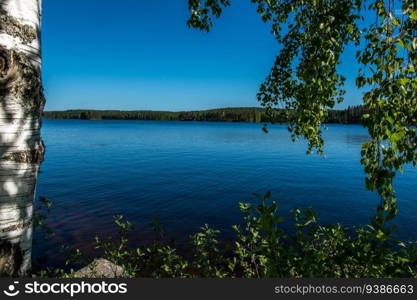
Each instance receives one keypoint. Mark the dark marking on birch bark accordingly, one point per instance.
(17, 226)
(28, 157)
(21, 78)
(4, 62)
(11, 258)
(13, 27)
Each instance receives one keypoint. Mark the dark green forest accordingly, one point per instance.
(351, 115)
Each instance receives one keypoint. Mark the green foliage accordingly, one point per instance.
(203, 11)
(117, 250)
(389, 61)
(312, 35)
(157, 260)
(262, 249)
(42, 210)
(208, 260)
(304, 79)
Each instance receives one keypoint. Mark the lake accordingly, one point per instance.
(191, 173)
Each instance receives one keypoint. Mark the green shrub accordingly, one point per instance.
(262, 249)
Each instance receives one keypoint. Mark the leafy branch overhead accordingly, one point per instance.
(313, 34)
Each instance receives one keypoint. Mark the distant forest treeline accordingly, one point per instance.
(351, 115)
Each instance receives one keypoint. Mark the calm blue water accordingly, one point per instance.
(191, 173)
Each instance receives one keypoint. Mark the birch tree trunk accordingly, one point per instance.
(21, 147)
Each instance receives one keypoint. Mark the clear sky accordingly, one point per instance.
(140, 54)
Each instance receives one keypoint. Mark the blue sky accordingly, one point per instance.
(140, 54)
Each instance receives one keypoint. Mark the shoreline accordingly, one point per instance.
(351, 115)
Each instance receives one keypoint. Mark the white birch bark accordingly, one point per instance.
(21, 148)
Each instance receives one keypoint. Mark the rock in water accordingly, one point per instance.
(101, 268)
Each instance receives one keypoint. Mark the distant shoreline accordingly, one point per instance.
(351, 115)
